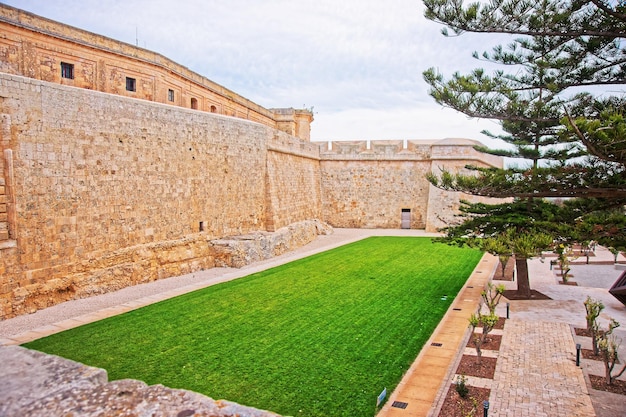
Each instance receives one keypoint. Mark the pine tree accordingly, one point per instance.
(545, 99)
(559, 48)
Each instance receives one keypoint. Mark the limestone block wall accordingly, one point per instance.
(110, 191)
(454, 155)
(368, 184)
(293, 181)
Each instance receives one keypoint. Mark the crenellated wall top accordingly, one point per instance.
(408, 149)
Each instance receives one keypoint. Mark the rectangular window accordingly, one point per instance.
(67, 70)
(170, 95)
(131, 84)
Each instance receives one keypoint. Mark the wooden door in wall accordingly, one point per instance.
(406, 219)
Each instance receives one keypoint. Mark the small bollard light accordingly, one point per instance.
(577, 354)
(485, 408)
(508, 305)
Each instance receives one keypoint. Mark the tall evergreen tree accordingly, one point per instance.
(560, 53)
(559, 48)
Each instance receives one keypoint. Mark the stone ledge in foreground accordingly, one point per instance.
(36, 384)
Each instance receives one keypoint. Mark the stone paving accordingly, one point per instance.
(536, 373)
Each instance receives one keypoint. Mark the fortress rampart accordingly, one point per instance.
(375, 184)
(102, 189)
(107, 191)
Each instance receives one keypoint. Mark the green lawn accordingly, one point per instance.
(321, 336)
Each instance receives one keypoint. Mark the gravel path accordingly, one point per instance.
(70, 309)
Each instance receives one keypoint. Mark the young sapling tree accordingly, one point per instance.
(487, 322)
(498, 246)
(593, 308)
(615, 253)
(563, 252)
(492, 295)
(608, 344)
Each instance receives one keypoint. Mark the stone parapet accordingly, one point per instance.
(463, 149)
(413, 150)
(409, 150)
(35, 384)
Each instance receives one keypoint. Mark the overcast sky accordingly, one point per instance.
(357, 63)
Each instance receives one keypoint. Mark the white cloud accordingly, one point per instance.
(358, 62)
(400, 123)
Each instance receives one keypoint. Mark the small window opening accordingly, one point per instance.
(213, 109)
(131, 84)
(194, 104)
(202, 226)
(67, 70)
(170, 95)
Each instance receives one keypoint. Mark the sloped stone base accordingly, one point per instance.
(239, 251)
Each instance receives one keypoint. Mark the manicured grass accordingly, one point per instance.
(321, 336)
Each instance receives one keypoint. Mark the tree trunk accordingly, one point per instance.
(523, 282)
(503, 261)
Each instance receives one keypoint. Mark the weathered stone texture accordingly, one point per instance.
(372, 193)
(454, 155)
(111, 191)
(293, 182)
(368, 183)
(39, 385)
(238, 251)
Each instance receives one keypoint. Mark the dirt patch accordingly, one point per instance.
(534, 295)
(469, 367)
(500, 324)
(471, 405)
(599, 383)
(588, 354)
(492, 342)
(508, 271)
(568, 283)
(582, 332)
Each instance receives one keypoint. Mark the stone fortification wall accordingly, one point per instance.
(110, 191)
(293, 181)
(454, 155)
(36, 384)
(368, 184)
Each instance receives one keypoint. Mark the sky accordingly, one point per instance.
(356, 63)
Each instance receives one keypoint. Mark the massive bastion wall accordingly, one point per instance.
(103, 191)
(100, 191)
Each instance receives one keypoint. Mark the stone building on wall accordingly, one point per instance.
(105, 182)
(46, 50)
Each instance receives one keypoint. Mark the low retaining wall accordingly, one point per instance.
(238, 251)
(145, 263)
(36, 384)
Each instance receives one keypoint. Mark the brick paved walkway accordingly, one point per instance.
(536, 373)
